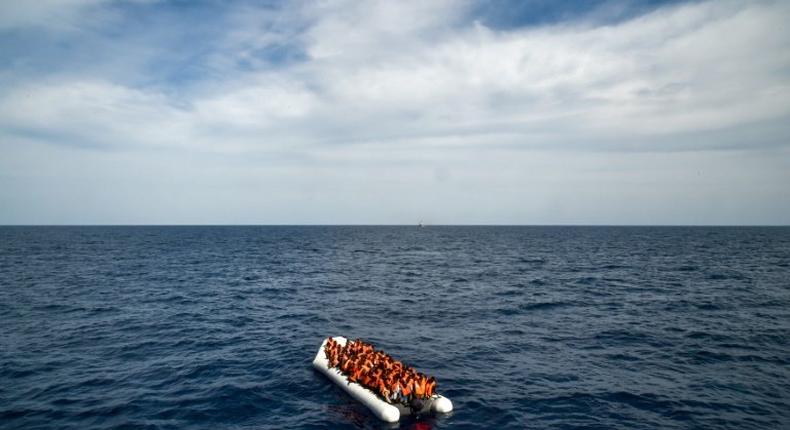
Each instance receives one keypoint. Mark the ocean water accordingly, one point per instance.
(524, 327)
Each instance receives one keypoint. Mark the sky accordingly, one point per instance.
(395, 112)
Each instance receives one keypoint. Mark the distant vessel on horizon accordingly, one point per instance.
(421, 224)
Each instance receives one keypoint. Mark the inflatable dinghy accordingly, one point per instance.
(389, 411)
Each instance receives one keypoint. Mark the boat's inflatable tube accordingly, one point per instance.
(383, 410)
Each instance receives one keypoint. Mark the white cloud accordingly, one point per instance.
(93, 113)
(671, 71)
(257, 105)
(398, 94)
(383, 70)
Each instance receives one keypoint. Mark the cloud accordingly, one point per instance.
(671, 71)
(93, 114)
(380, 71)
(391, 87)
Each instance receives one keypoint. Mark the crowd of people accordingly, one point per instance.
(377, 371)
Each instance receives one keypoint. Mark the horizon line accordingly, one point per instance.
(424, 225)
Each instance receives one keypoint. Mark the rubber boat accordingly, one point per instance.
(383, 410)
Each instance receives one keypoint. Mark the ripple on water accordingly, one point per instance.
(525, 327)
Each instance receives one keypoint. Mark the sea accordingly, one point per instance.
(536, 327)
